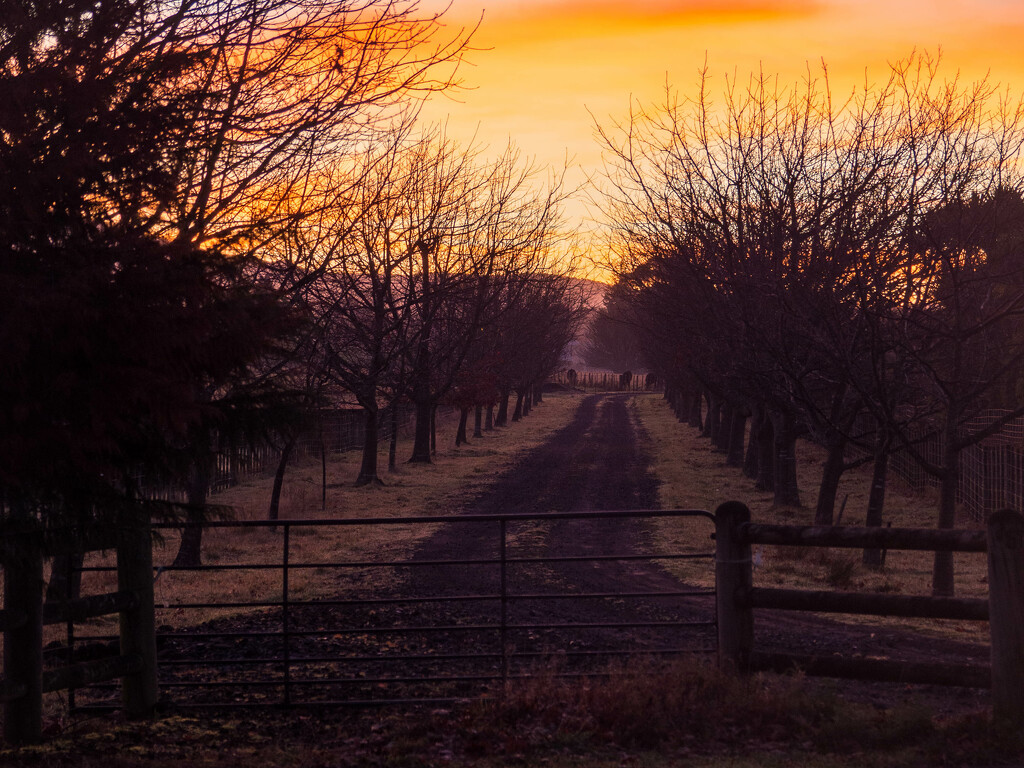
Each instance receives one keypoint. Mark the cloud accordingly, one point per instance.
(538, 21)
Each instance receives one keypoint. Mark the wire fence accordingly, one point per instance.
(332, 431)
(991, 472)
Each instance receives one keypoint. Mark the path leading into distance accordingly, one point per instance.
(598, 462)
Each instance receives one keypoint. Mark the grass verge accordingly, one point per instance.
(693, 475)
(687, 714)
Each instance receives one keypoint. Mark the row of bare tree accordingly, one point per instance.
(437, 279)
(216, 216)
(849, 268)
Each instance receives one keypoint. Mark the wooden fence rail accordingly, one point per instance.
(25, 614)
(1004, 609)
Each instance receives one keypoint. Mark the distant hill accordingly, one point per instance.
(594, 292)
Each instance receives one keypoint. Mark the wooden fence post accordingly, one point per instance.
(1006, 615)
(23, 642)
(733, 581)
(138, 625)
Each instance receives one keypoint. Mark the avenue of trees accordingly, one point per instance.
(427, 260)
(845, 267)
(218, 218)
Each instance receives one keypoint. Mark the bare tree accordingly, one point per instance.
(612, 337)
(366, 297)
(415, 253)
(811, 242)
(481, 230)
(282, 92)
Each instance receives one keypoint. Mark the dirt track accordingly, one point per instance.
(569, 611)
(597, 462)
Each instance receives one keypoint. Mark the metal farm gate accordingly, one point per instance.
(348, 612)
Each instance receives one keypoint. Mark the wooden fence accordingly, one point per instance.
(991, 472)
(26, 679)
(602, 381)
(1004, 609)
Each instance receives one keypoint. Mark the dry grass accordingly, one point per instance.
(694, 476)
(642, 714)
(693, 706)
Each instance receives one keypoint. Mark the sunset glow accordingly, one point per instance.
(548, 68)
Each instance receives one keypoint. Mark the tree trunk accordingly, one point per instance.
(675, 401)
(874, 558)
(696, 411)
(478, 419)
(275, 493)
(421, 393)
(23, 642)
(233, 467)
(691, 409)
(393, 448)
(65, 578)
(841, 421)
(724, 434)
(737, 433)
(489, 418)
(517, 414)
(538, 394)
(787, 493)
(371, 442)
(765, 454)
(502, 418)
(323, 470)
(421, 439)
(713, 421)
(460, 433)
(433, 429)
(942, 573)
(750, 460)
(831, 472)
(190, 550)
(65, 570)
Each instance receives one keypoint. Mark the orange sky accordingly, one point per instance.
(550, 61)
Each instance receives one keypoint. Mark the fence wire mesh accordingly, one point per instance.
(332, 430)
(991, 471)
